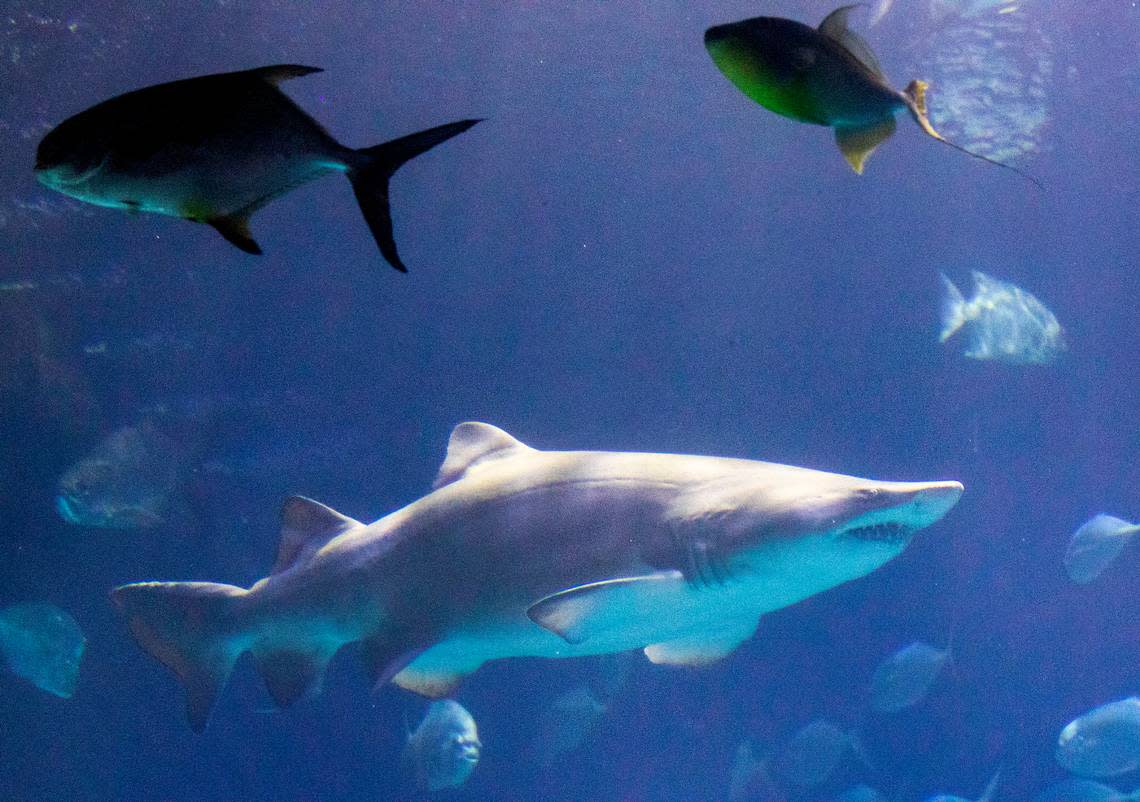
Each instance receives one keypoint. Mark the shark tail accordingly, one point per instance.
(189, 627)
(372, 168)
(953, 309)
(915, 98)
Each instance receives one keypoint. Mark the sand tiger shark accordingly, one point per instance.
(519, 552)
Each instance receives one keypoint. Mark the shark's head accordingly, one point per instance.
(800, 531)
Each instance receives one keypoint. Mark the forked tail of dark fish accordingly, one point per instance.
(915, 94)
(376, 165)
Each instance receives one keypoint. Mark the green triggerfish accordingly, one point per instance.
(215, 149)
(825, 76)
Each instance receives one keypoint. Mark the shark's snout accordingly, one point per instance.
(936, 499)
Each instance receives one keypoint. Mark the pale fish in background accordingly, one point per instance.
(445, 748)
(43, 645)
(1095, 545)
(880, 10)
(860, 793)
(987, 794)
(1077, 790)
(1001, 322)
(1104, 742)
(128, 481)
(813, 753)
(569, 720)
(904, 678)
(749, 780)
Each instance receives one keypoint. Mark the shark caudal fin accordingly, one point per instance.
(188, 627)
(953, 309)
(375, 166)
(915, 97)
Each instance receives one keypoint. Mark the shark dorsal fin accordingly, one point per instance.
(834, 27)
(472, 443)
(306, 525)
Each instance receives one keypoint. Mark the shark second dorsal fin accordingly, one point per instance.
(834, 27)
(472, 443)
(306, 525)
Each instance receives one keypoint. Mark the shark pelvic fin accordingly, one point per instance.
(703, 649)
(432, 683)
(291, 674)
(857, 144)
(306, 525)
(473, 443)
(586, 611)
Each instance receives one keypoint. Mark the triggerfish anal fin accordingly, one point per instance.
(857, 144)
(586, 611)
(234, 229)
(306, 525)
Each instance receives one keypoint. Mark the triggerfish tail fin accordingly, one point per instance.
(953, 309)
(915, 97)
(372, 170)
(857, 144)
(188, 627)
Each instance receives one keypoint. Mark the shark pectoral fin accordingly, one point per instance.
(235, 229)
(590, 610)
(291, 674)
(703, 649)
(434, 683)
(306, 525)
(857, 144)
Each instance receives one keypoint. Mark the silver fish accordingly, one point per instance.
(445, 748)
(43, 645)
(215, 149)
(1104, 742)
(1094, 546)
(903, 678)
(813, 753)
(520, 552)
(567, 723)
(1001, 322)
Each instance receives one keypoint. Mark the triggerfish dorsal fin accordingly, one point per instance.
(857, 144)
(834, 27)
(306, 525)
(472, 443)
(915, 98)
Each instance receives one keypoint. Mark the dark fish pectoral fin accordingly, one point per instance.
(235, 229)
(857, 144)
(277, 73)
(377, 165)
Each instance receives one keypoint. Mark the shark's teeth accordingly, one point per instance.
(888, 532)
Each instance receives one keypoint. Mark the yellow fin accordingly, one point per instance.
(857, 144)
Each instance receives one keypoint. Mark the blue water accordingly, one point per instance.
(627, 255)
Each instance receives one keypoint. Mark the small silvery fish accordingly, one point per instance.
(903, 678)
(43, 645)
(813, 753)
(1001, 322)
(1075, 790)
(826, 76)
(445, 747)
(215, 149)
(566, 724)
(1104, 742)
(1095, 545)
(987, 795)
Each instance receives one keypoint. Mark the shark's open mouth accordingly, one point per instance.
(887, 532)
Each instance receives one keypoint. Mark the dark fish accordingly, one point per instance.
(825, 76)
(217, 148)
(42, 644)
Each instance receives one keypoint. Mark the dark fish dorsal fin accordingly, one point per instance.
(276, 73)
(472, 443)
(306, 525)
(834, 27)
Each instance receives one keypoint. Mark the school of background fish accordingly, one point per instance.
(167, 460)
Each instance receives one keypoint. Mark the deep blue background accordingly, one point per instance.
(627, 255)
